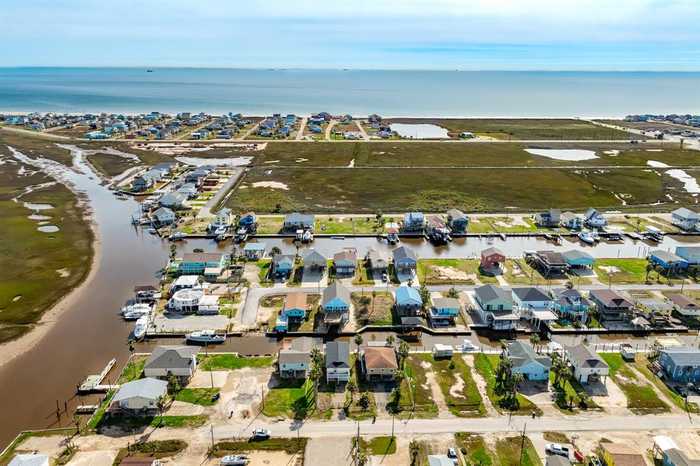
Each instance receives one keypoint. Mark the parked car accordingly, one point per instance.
(468, 346)
(385, 277)
(234, 460)
(261, 434)
(594, 461)
(556, 449)
(451, 453)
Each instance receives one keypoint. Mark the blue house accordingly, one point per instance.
(254, 251)
(197, 263)
(413, 221)
(691, 254)
(578, 259)
(282, 265)
(681, 364)
(570, 305)
(443, 311)
(408, 301)
(295, 305)
(668, 261)
(527, 362)
(457, 221)
(247, 219)
(335, 303)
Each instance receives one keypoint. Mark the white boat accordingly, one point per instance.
(141, 327)
(205, 337)
(177, 236)
(136, 311)
(307, 237)
(153, 231)
(587, 237)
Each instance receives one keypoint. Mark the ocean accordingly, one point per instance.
(358, 92)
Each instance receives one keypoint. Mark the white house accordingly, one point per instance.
(527, 362)
(223, 218)
(164, 361)
(586, 364)
(685, 219)
(594, 219)
(164, 216)
(139, 395)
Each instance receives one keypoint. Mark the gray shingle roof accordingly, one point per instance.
(488, 293)
(531, 293)
(585, 357)
(337, 354)
(171, 357)
(148, 388)
(521, 354)
(404, 252)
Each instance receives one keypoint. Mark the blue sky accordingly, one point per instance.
(387, 34)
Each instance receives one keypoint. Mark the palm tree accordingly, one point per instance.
(316, 372)
(275, 250)
(403, 353)
(358, 342)
(390, 340)
(351, 387)
(535, 341)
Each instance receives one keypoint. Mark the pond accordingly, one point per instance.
(217, 162)
(419, 131)
(572, 155)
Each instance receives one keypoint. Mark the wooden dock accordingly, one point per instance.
(93, 383)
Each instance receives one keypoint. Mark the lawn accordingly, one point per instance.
(570, 396)
(464, 402)
(641, 397)
(154, 449)
(291, 446)
(346, 225)
(363, 274)
(132, 370)
(373, 308)
(197, 396)
(678, 400)
(353, 408)
(451, 272)
(486, 365)
(622, 271)
(38, 268)
(518, 272)
(416, 396)
(474, 448)
(269, 225)
(379, 446)
(292, 399)
(216, 362)
(516, 451)
(509, 224)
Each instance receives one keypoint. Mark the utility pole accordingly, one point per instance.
(522, 444)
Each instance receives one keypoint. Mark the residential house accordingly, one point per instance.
(197, 263)
(457, 221)
(443, 311)
(295, 305)
(669, 262)
(681, 364)
(533, 304)
(684, 305)
(405, 261)
(379, 363)
(549, 263)
(620, 454)
(495, 307)
(282, 265)
(295, 362)
(142, 183)
(587, 366)
(163, 216)
(413, 222)
(335, 304)
(492, 260)
(671, 455)
(570, 305)
(594, 219)
(247, 220)
(30, 459)
(314, 262)
(345, 262)
(408, 301)
(139, 396)
(184, 282)
(685, 219)
(571, 221)
(254, 251)
(173, 200)
(223, 219)
(611, 305)
(577, 259)
(440, 460)
(550, 218)
(690, 254)
(527, 362)
(167, 361)
(297, 221)
(377, 262)
(337, 361)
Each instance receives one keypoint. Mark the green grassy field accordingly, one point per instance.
(622, 271)
(486, 365)
(522, 128)
(429, 272)
(110, 165)
(197, 396)
(641, 397)
(214, 362)
(38, 268)
(415, 391)
(465, 402)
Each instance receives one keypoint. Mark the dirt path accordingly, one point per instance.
(302, 125)
(362, 131)
(329, 128)
(436, 392)
(481, 386)
(662, 396)
(249, 132)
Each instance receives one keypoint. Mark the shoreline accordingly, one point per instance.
(15, 348)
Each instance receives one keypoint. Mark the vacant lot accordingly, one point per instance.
(373, 308)
(623, 271)
(38, 268)
(451, 272)
(522, 128)
(457, 386)
(110, 165)
(641, 396)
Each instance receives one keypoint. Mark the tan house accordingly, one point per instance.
(379, 363)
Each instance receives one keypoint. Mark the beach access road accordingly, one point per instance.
(205, 211)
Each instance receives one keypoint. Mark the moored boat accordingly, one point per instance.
(208, 337)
